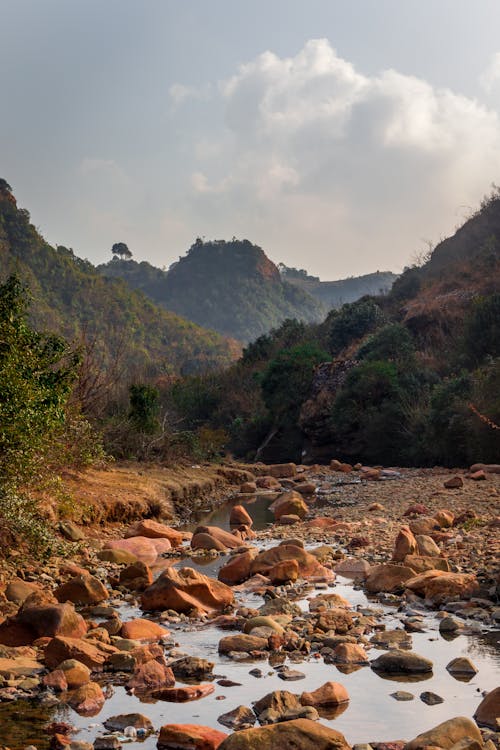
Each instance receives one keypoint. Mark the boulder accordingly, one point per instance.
(445, 518)
(189, 737)
(19, 665)
(43, 621)
(289, 503)
(241, 717)
(329, 694)
(151, 675)
(401, 662)
(461, 665)
(192, 668)
(140, 546)
(424, 525)
(454, 483)
(155, 530)
(488, 712)
(239, 516)
(308, 564)
(267, 483)
(184, 693)
(388, 578)
(421, 563)
(299, 733)
(143, 630)
(439, 586)
(75, 673)
(117, 556)
(305, 488)
(184, 590)
(445, 735)
(122, 721)
(353, 567)
(208, 542)
(276, 705)
(70, 531)
(285, 571)
(238, 568)
(248, 488)
(426, 546)
(18, 590)
(350, 653)
(136, 577)
(405, 544)
(82, 589)
(282, 471)
(228, 540)
(61, 648)
(242, 642)
(87, 700)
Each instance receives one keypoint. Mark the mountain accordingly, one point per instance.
(336, 293)
(231, 287)
(69, 296)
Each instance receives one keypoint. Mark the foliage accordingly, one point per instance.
(393, 343)
(351, 322)
(482, 329)
(121, 249)
(144, 407)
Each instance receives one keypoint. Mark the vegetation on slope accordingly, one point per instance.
(231, 287)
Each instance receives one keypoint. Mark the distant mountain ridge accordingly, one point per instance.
(231, 287)
(234, 288)
(70, 297)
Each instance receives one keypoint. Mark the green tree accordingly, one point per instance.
(353, 321)
(121, 249)
(144, 407)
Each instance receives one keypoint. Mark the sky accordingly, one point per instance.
(342, 136)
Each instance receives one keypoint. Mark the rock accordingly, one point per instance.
(445, 735)
(282, 471)
(328, 601)
(122, 721)
(192, 668)
(329, 694)
(445, 518)
(399, 639)
(61, 648)
(461, 665)
(248, 488)
(299, 733)
(208, 542)
(70, 531)
(305, 488)
(421, 563)
(402, 695)
(307, 563)
(350, 653)
(321, 522)
(276, 705)
(388, 578)
(477, 476)
(44, 621)
(285, 571)
(18, 590)
(150, 529)
(426, 546)
(238, 568)
(183, 694)
(438, 586)
(241, 717)
(488, 712)
(242, 642)
(289, 519)
(75, 673)
(228, 540)
(454, 483)
(87, 700)
(290, 675)
(20, 665)
(140, 546)
(489, 468)
(143, 630)
(107, 742)
(239, 516)
(82, 589)
(189, 737)
(289, 503)
(449, 625)
(405, 544)
(401, 662)
(136, 577)
(151, 675)
(353, 567)
(117, 556)
(431, 699)
(417, 509)
(184, 590)
(424, 525)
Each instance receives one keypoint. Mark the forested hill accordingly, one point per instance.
(70, 297)
(336, 293)
(231, 287)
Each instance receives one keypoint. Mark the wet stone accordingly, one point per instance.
(402, 695)
(431, 699)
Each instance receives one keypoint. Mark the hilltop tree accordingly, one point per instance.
(121, 249)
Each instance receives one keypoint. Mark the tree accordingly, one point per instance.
(121, 249)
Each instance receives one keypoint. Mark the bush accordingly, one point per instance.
(482, 330)
(392, 343)
(353, 321)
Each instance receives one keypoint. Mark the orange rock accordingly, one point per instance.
(387, 578)
(184, 590)
(155, 530)
(322, 522)
(82, 589)
(405, 544)
(61, 648)
(445, 518)
(350, 653)
(143, 630)
(76, 674)
(56, 680)
(454, 483)
(137, 576)
(150, 675)
(421, 563)
(305, 488)
(424, 525)
(184, 693)
(308, 564)
(247, 488)
(282, 471)
(226, 538)
(329, 694)
(267, 483)
(477, 476)
(87, 700)
(283, 572)
(488, 711)
(439, 586)
(208, 542)
(189, 737)
(33, 622)
(140, 546)
(239, 517)
(289, 503)
(238, 567)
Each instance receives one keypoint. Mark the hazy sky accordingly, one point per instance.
(340, 135)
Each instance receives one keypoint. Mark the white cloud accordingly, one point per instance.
(351, 168)
(490, 78)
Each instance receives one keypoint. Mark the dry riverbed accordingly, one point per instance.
(317, 607)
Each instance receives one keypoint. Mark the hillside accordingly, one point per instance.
(336, 293)
(231, 287)
(70, 297)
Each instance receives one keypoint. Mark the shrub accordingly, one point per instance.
(353, 321)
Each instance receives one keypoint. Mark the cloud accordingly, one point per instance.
(490, 78)
(352, 169)
(179, 93)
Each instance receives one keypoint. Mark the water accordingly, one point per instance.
(371, 714)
